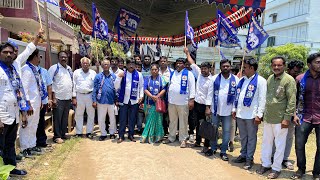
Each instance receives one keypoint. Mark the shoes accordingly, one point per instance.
(65, 137)
(26, 153)
(120, 140)
(102, 138)
(58, 140)
(196, 145)
(262, 170)
(78, 135)
(274, 174)
(287, 164)
(17, 172)
(239, 159)
(167, 141)
(204, 149)
(224, 157)
(36, 151)
(248, 165)
(231, 147)
(210, 152)
(89, 135)
(298, 174)
(112, 136)
(191, 138)
(131, 138)
(183, 144)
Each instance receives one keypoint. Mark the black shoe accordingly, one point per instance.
(210, 152)
(131, 138)
(224, 157)
(248, 165)
(196, 145)
(36, 149)
(112, 136)
(262, 170)
(26, 153)
(17, 172)
(298, 174)
(102, 138)
(239, 159)
(89, 135)
(77, 136)
(231, 147)
(65, 137)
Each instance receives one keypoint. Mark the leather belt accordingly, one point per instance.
(87, 92)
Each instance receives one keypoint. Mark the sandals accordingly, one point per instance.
(274, 174)
(262, 170)
(297, 175)
(287, 164)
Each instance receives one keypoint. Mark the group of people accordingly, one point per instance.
(286, 102)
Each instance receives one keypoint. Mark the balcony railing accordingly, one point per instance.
(15, 4)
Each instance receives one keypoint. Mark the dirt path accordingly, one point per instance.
(109, 160)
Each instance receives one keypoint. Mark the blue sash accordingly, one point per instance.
(250, 92)
(41, 86)
(184, 81)
(16, 84)
(302, 90)
(231, 92)
(57, 70)
(134, 86)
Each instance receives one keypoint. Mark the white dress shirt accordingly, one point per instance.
(30, 86)
(223, 109)
(174, 96)
(117, 72)
(62, 82)
(166, 74)
(202, 86)
(83, 82)
(9, 109)
(117, 85)
(258, 102)
(22, 57)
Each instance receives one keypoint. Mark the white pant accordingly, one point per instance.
(181, 113)
(84, 102)
(103, 109)
(28, 135)
(273, 133)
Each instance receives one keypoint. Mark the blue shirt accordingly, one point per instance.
(153, 86)
(46, 80)
(108, 93)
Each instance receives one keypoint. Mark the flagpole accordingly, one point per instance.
(97, 55)
(242, 62)
(48, 58)
(185, 41)
(214, 56)
(219, 50)
(39, 15)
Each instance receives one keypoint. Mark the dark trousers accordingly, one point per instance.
(60, 118)
(7, 143)
(165, 123)
(127, 113)
(301, 137)
(191, 122)
(41, 133)
(199, 112)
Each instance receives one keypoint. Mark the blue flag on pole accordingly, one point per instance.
(226, 32)
(100, 26)
(256, 35)
(189, 32)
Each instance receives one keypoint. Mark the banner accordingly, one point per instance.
(100, 26)
(226, 33)
(127, 20)
(256, 35)
(189, 32)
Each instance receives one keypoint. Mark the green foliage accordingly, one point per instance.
(289, 51)
(101, 49)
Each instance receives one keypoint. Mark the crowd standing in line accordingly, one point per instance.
(286, 104)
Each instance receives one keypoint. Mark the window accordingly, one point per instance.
(271, 41)
(274, 18)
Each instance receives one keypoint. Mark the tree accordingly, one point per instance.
(289, 51)
(101, 48)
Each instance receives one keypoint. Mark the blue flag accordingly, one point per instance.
(256, 35)
(100, 26)
(222, 55)
(51, 2)
(226, 32)
(189, 32)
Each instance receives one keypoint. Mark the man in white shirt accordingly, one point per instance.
(130, 85)
(203, 99)
(181, 100)
(250, 105)
(61, 75)
(9, 107)
(223, 91)
(35, 90)
(82, 92)
(165, 71)
(114, 66)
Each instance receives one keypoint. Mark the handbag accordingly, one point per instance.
(208, 130)
(161, 106)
